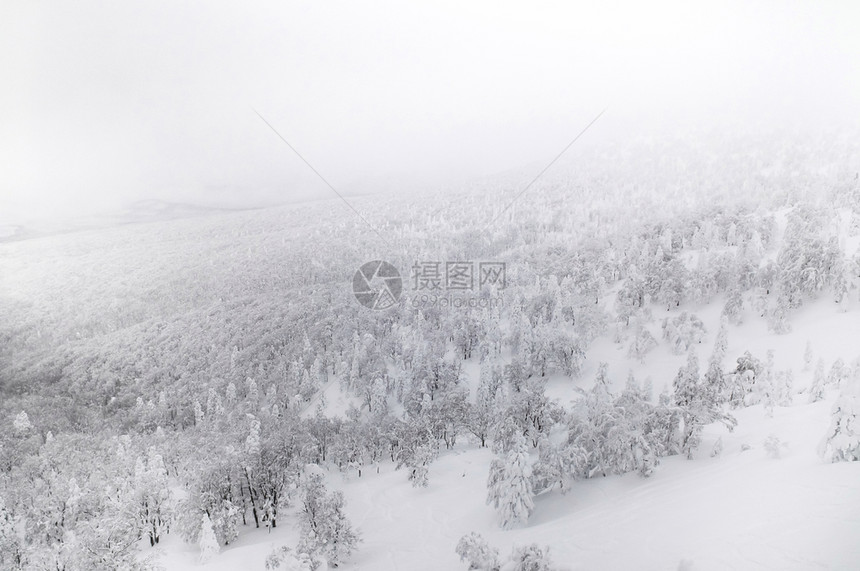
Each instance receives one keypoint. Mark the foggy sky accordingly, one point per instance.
(102, 103)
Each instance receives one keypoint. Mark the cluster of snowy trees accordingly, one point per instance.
(474, 550)
(205, 366)
(75, 502)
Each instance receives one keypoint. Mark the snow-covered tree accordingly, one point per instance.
(642, 343)
(208, 543)
(819, 382)
(842, 441)
(198, 413)
(766, 385)
(153, 501)
(482, 414)
(283, 559)
(509, 487)
(683, 332)
(473, 549)
(784, 385)
(531, 558)
(419, 464)
(734, 307)
(325, 531)
(12, 545)
(21, 424)
(838, 373)
(715, 380)
(742, 381)
(697, 405)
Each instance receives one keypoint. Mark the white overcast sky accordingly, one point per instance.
(106, 102)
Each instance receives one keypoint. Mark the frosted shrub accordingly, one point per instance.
(473, 549)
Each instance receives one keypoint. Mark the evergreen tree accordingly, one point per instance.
(509, 487)
(733, 310)
(643, 342)
(842, 442)
(152, 499)
(697, 406)
(838, 373)
(742, 381)
(12, 548)
(21, 425)
(819, 382)
(531, 558)
(766, 385)
(473, 549)
(419, 464)
(784, 387)
(482, 414)
(208, 543)
(715, 381)
(325, 531)
(198, 413)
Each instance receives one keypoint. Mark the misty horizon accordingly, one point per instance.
(108, 105)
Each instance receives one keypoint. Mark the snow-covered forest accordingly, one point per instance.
(446, 286)
(665, 379)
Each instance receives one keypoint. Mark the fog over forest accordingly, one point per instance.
(104, 104)
(496, 286)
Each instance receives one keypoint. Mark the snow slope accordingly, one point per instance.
(742, 509)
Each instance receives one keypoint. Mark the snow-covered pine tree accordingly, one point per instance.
(733, 310)
(419, 464)
(777, 316)
(819, 382)
(509, 487)
(784, 387)
(551, 469)
(698, 408)
(715, 381)
(325, 531)
(842, 442)
(152, 500)
(21, 424)
(208, 543)
(482, 414)
(686, 383)
(531, 558)
(838, 373)
(766, 385)
(480, 556)
(661, 426)
(742, 381)
(643, 342)
(12, 554)
(252, 395)
(198, 413)
(689, 398)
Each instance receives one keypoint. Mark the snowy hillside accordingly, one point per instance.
(752, 506)
(635, 381)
